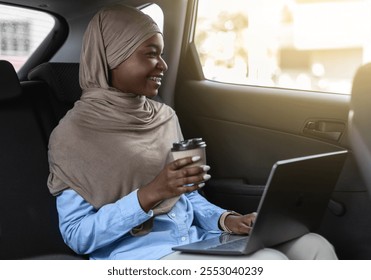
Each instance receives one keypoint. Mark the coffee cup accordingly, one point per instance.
(190, 148)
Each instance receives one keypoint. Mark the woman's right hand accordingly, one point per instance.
(175, 179)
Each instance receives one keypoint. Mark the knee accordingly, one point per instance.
(311, 246)
(322, 249)
(270, 254)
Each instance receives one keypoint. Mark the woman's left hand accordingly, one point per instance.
(240, 224)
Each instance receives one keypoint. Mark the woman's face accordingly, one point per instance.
(142, 72)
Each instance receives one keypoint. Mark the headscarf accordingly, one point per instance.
(111, 142)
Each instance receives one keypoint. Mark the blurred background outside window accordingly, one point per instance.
(21, 32)
(309, 45)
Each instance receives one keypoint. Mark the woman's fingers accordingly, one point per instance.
(191, 188)
(192, 180)
(191, 171)
(182, 162)
(241, 224)
(178, 177)
(183, 175)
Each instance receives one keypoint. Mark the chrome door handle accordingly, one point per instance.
(328, 130)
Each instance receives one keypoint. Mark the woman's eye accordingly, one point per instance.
(152, 54)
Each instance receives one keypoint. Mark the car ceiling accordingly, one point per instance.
(70, 9)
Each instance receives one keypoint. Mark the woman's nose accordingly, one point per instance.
(162, 64)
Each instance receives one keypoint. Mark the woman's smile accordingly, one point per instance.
(143, 71)
(156, 79)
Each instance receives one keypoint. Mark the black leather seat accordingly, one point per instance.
(28, 216)
(360, 121)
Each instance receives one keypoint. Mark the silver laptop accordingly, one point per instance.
(294, 202)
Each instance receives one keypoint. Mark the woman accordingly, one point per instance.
(119, 195)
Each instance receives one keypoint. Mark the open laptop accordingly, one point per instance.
(294, 201)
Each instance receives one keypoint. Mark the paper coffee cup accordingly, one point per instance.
(189, 148)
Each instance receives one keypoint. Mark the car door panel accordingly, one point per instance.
(248, 128)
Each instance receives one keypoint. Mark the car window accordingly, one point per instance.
(309, 45)
(21, 32)
(155, 12)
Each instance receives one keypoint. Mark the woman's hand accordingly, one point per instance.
(175, 179)
(240, 224)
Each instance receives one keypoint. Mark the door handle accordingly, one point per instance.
(328, 130)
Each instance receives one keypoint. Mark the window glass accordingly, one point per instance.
(155, 12)
(21, 32)
(309, 45)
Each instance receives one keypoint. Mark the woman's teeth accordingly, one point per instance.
(156, 79)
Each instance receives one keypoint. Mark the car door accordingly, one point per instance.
(250, 125)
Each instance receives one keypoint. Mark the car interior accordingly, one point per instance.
(247, 128)
(359, 134)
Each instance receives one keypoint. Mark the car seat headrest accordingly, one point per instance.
(10, 86)
(62, 78)
(360, 120)
(361, 94)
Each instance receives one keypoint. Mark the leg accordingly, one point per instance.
(308, 247)
(263, 254)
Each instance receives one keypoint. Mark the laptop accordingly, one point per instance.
(293, 203)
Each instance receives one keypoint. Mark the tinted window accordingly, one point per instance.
(310, 45)
(155, 12)
(21, 32)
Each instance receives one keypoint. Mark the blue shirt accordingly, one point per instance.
(105, 234)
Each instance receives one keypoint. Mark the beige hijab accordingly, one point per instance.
(111, 142)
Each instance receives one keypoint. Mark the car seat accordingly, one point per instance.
(28, 215)
(360, 121)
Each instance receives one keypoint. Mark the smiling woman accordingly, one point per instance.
(119, 193)
(146, 79)
(226, 60)
(110, 152)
